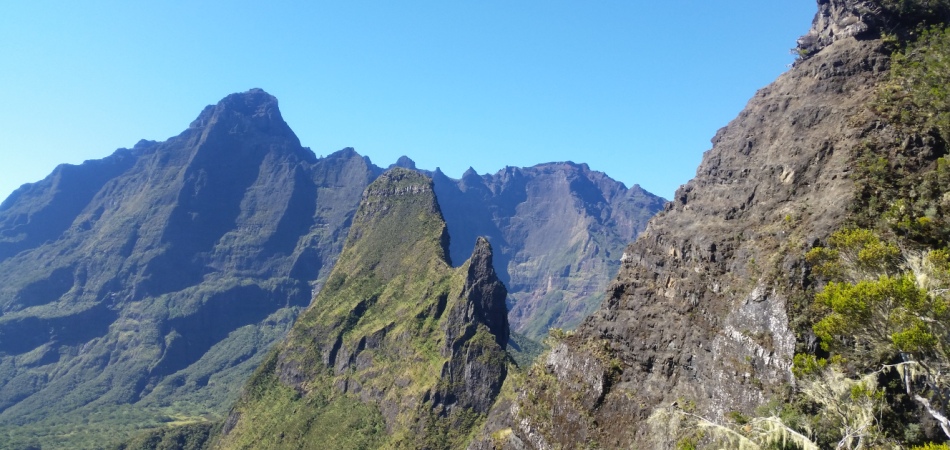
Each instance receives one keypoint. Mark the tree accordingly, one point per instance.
(901, 315)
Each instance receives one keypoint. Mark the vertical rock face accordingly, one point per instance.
(842, 19)
(484, 289)
(868, 19)
(559, 230)
(408, 349)
(701, 310)
(160, 275)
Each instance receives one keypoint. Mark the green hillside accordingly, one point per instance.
(399, 350)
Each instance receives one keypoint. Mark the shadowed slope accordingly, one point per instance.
(157, 277)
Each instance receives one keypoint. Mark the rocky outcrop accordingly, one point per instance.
(702, 312)
(837, 20)
(559, 230)
(483, 288)
(474, 374)
(868, 20)
(418, 345)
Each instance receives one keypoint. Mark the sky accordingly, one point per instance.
(635, 89)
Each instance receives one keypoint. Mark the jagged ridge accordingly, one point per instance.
(559, 230)
(163, 273)
(153, 281)
(409, 348)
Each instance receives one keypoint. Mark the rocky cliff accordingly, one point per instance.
(399, 350)
(559, 230)
(705, 311)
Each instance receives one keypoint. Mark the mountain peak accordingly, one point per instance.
(242, 112)
(255, 103)
(379, 236)
(486, 291)
(471, 177)
(397, 339)
(405, 162)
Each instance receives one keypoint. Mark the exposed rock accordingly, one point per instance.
(558, 229)
(484, 289)
(419, 344)
(868, 19)
(160, 276)
(700, 311)
(841, 19)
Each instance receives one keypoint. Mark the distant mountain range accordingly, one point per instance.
(559, 230)
(146, 286)
(794, 294)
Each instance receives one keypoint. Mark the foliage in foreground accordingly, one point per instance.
(887, 321)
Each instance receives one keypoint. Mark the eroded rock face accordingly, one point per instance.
(483, 288)
(558, 229)
(841, 19)
(702, 308)
(868, 19)
(418, 343)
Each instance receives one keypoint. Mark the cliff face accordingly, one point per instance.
(160, 275)
(702, 311)
(559, 230)
(399, 350)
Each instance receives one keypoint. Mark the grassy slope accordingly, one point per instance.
(386, 300)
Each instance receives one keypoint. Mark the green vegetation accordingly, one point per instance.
(931, 446)
(917, 12)
(902, 173)
(892, 316)
(379, 359)
(882, 316)
(182, 437)
(282, 418)
(917, 95)
(96, 428)
(523, 350)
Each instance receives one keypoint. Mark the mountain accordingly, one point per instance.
(559, 230)
(146, 287)
(399, 349)
(794, 294)
(714, 299)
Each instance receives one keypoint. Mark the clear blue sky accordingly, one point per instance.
(633, 88)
